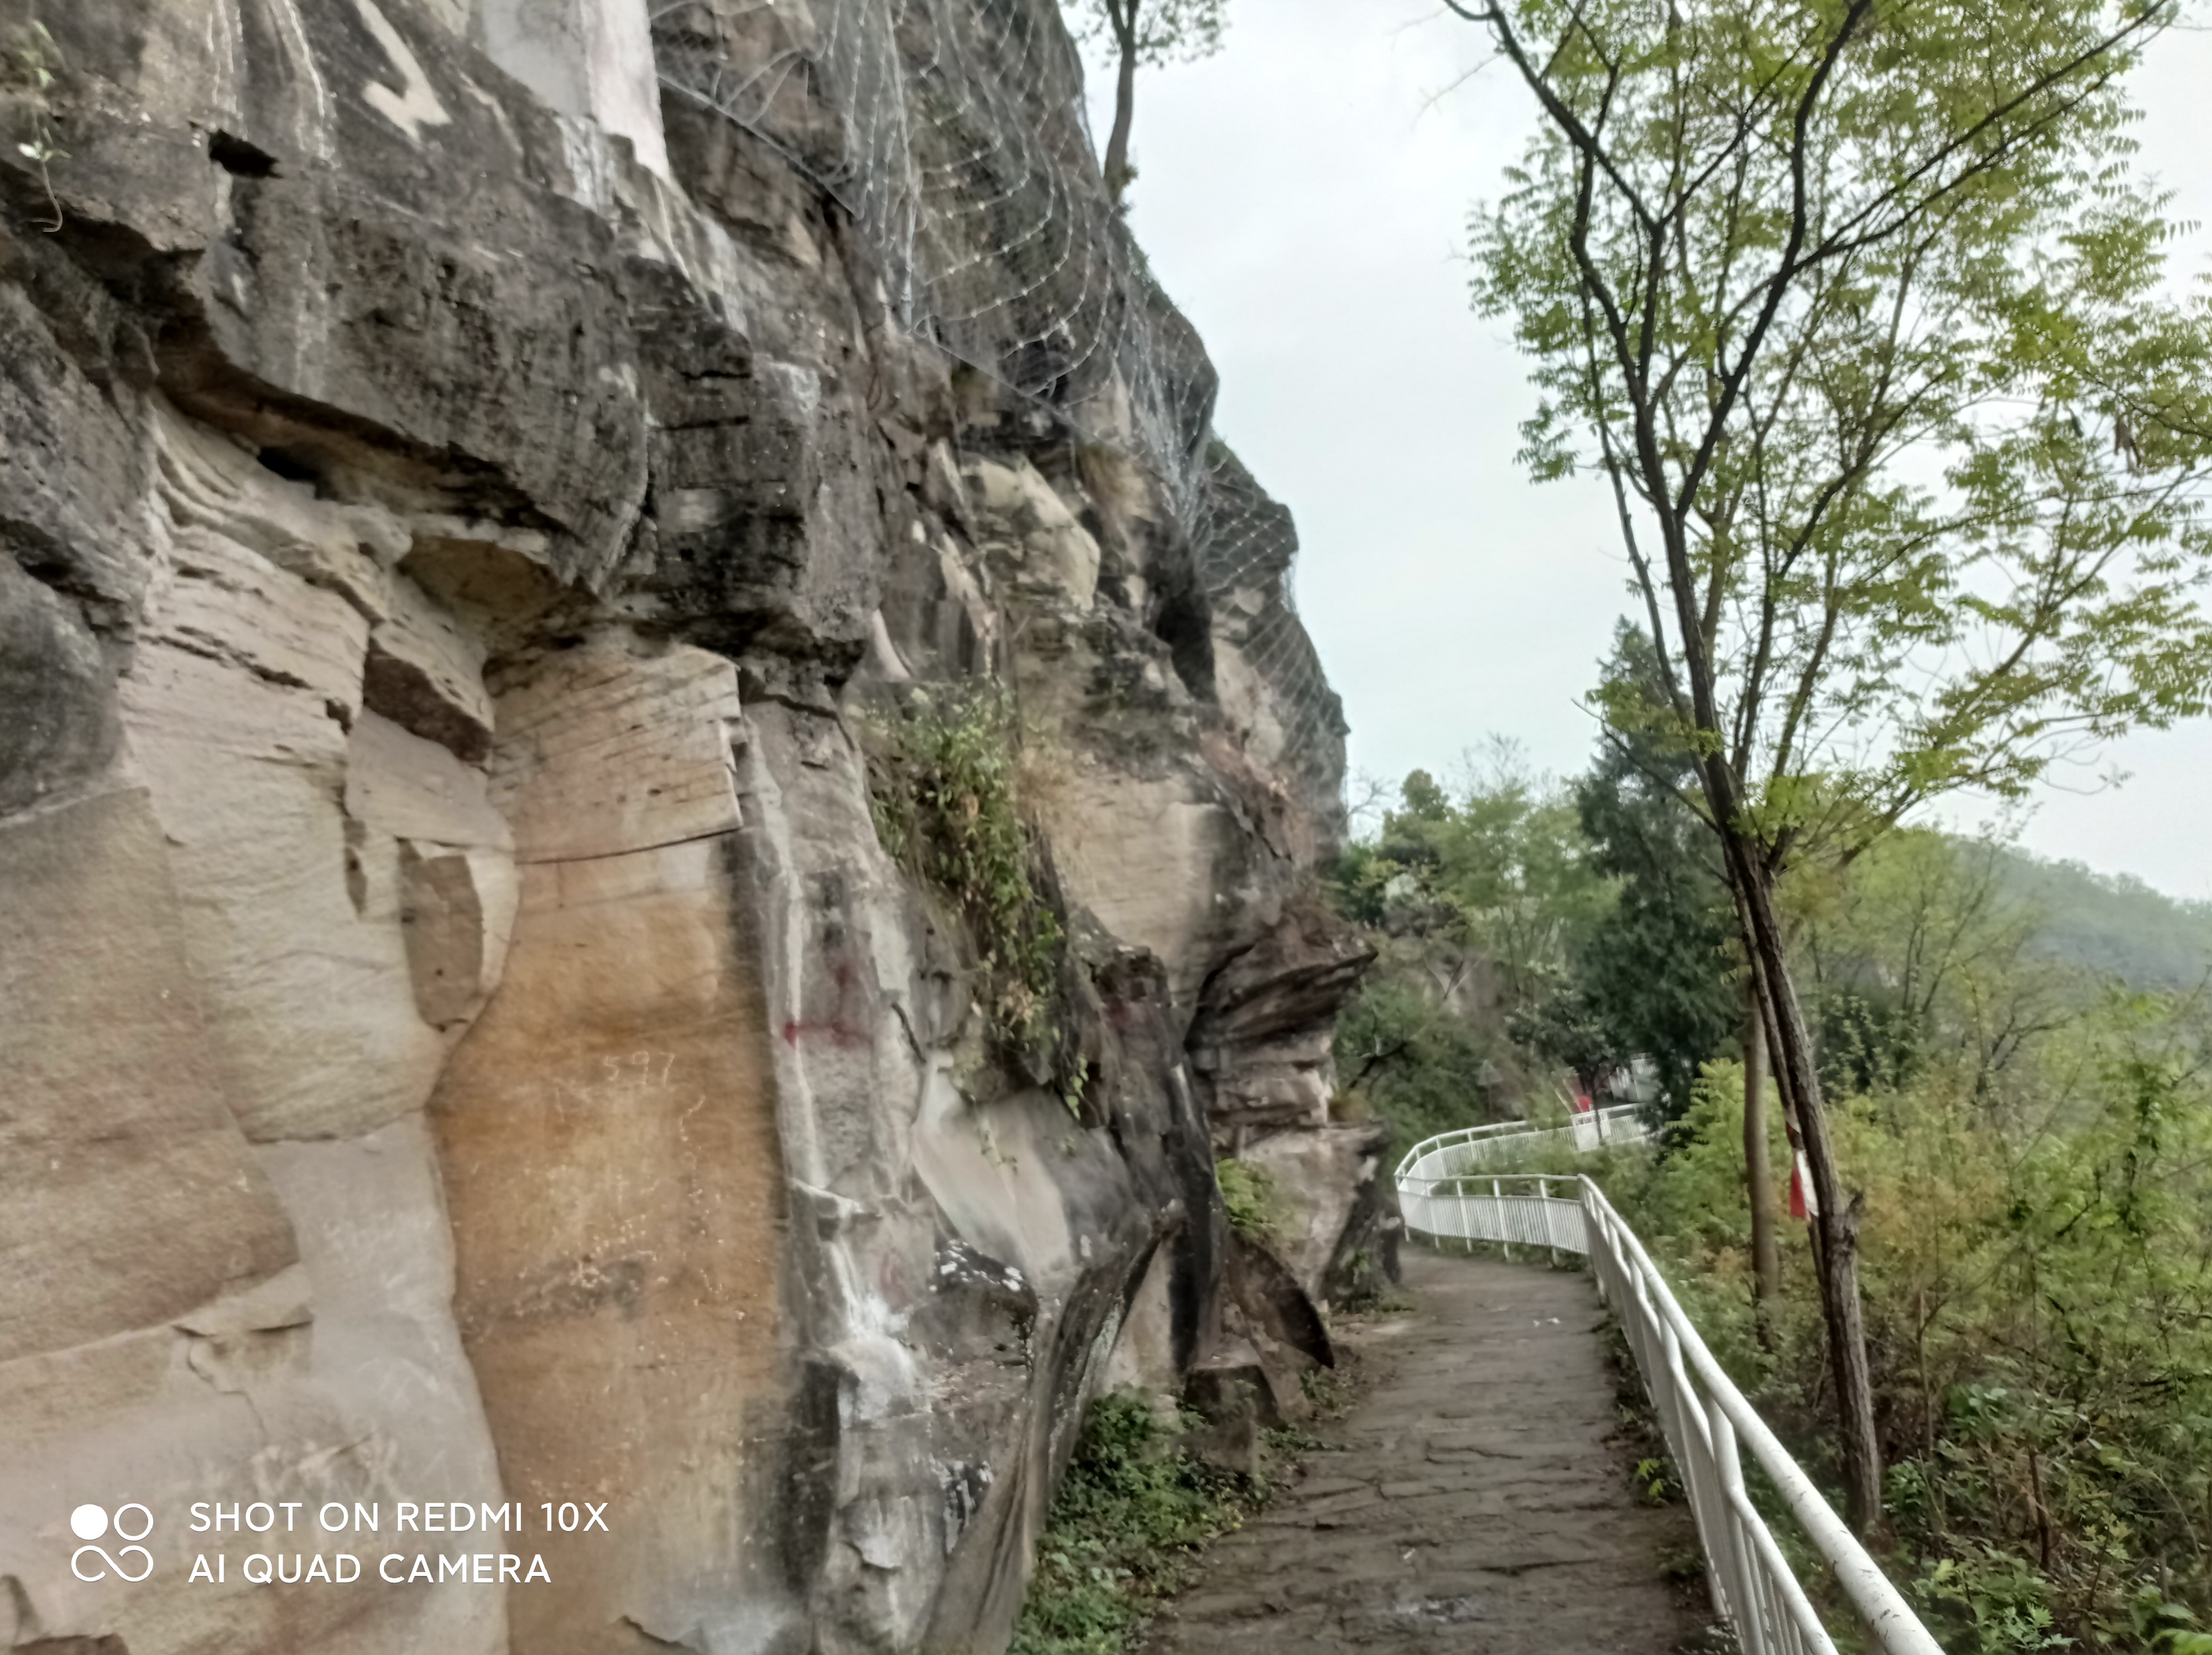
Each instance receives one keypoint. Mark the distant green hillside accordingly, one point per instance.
(2112, 922)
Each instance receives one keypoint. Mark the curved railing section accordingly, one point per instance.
(1450, 1153)
(1706, 1419)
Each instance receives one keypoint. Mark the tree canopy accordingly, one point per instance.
(1495, 863)
(1860, 309)
(1657, 968)
(1142, 34)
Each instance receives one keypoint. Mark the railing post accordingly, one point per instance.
(1748, 1606)
(1697, 1452)
(1596, 1243)
(1497, 1206)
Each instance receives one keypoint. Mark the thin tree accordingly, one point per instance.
(1854, 306)
(1656, 964)
(1143, 34)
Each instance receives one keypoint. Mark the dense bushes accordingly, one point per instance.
(2038, 1280)
(1412, 1061)
(1124, 1531)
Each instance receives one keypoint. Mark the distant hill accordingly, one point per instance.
(2112, 923)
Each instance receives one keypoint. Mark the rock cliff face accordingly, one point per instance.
(467, 1040)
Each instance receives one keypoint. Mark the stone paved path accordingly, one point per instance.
(1474, 1501)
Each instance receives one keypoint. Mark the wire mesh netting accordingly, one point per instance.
(954, 133)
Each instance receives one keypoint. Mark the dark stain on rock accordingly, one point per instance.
(810, 1472)
(403, 693)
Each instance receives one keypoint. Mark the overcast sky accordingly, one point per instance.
(1304, 197)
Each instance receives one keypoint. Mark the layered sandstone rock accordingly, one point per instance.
(465, 1041)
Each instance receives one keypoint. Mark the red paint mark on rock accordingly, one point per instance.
(836, 1033)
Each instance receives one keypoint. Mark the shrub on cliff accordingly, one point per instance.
(1125, 1530)
(947, 787)
(1249, 1193)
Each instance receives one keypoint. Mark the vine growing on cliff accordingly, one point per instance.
(32, 62)
(946, 789)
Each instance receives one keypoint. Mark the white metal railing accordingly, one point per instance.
(1706, 1419)
(1450, 1153)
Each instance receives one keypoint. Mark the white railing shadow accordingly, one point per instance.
(1706, 1419)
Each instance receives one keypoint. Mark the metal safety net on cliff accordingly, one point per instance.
(954, 133)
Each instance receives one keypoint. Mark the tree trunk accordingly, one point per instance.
(1836, 1229)
(1116, 167)
(1757, 1171)
(1751, 878)
(1791, 1113)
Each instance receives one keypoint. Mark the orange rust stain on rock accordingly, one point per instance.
(607, 1136)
